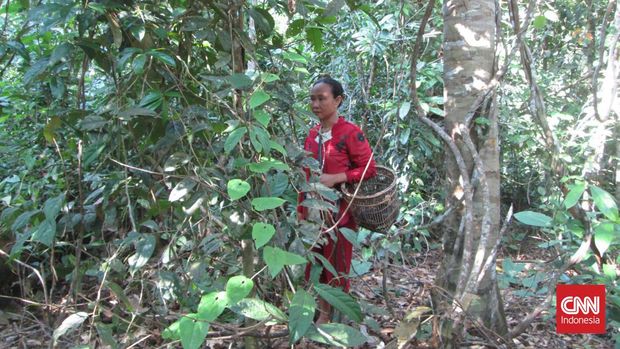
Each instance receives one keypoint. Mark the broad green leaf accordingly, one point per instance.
(237, 188)
(610, 271)
(295, 27)
(254, 140)
(35, 71)
(60, 53)
(138, 63)
(359, 268)
(193, 331)
(350, 235)
(539, 22)
(259, 310)
(335, 334)
(212, 305)
(269, 77)
(341, 301)
(325, 263)
(295, 57)
(574, 194)
(240, 81)
(105, 332)
(92, 122)
(145, 246)
(301, 314)
(163, 57)
(315, 37)
(604, 234)
(263, 20)
(276, 259)
(604, 202)
(120, 294)
(52, 206)
(175, 161)
(237, 288)
(533, 218)
(152, 100)
(69, 324)
(266, 165)
(266, 203)
(263, 138)
(172, 332)
(258, 98)
(23, 219)
(233, 138)
(262, 233)
(404, 110)
(181, 189)
(45, 232)
(263, 117)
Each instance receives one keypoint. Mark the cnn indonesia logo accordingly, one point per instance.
(580, 308)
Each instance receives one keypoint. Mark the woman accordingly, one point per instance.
(343, 154)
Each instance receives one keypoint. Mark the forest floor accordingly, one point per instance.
(408, 287)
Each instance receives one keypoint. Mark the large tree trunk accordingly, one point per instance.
(467, 285)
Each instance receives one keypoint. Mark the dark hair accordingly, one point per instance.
(335, 85)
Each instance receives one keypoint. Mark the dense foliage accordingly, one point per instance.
(151, 178)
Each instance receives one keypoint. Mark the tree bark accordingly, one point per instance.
(466, 282)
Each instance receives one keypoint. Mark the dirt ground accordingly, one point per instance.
(22, 325)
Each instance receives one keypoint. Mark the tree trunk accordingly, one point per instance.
(466, 282)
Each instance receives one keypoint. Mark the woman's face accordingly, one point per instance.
(322, 100)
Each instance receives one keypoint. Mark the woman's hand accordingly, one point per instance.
(330, 180)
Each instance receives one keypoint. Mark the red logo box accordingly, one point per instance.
(580, 308)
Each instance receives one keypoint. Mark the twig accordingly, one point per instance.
(34, 270)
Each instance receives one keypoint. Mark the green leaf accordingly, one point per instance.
(263, 20)
(604, 234)
(574, 194)
(23, 219)
(145, 246)
(257, 309)
(138, 63)
(315, 37)
(350, 235)
(269, 77)
(359, 268)
(60, 53)
(301, 314)
(341, 301)
(294, 57)
(295, 27)
(163, 57)
(604, 202)
(263, 117)
(325, 263)
(192, 331)
(92, 122)
(175, 161)
(237, 188)
(52, 206)
(172, 332)
(258, 98)
(533, 218)
(45, 232)
(266, 165)
(276, 259)
(266, 203)
(233, 138)
(212, 305)
(404, 110)
(335, 334)
(152, 100)
(240, 81)
(237, 288)
(262, 233)
(539, 22)
(181, 189)
(69, 324)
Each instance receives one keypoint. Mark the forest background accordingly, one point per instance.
(151, 163)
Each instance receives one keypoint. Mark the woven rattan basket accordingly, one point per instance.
(375, 207)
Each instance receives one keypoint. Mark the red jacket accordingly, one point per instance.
(347, 151)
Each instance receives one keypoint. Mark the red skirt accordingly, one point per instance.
(339, 254)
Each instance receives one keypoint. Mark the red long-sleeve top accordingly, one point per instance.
(347, 151)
